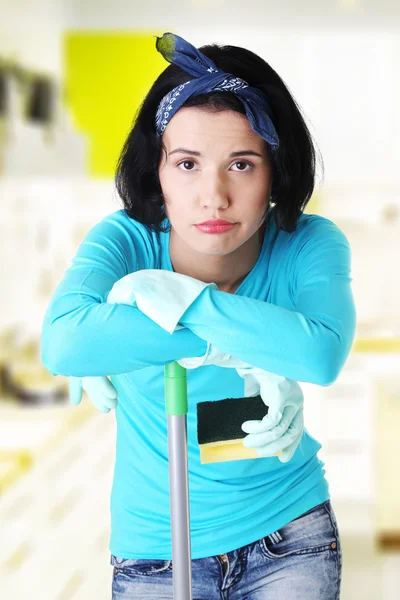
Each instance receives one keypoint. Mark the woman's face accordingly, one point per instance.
(216, 167)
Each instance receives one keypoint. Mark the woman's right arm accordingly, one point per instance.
(82, 335)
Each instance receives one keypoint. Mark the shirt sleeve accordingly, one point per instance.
(309, 343)
(82, 335)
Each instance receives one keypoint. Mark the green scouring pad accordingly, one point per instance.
(219, 431)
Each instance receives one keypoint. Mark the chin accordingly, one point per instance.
(215, 251)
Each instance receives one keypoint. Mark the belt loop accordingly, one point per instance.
(275, 537)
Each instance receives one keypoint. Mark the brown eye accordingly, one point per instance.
(186, 163)
(243, 165)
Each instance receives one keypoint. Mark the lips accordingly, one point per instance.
(215, 226)
(215, 222)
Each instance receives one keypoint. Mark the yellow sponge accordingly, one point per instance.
(219, 432)
(227, 450)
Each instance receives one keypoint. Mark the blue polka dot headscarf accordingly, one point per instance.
(208, 78)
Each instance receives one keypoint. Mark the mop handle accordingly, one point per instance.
(176, 404)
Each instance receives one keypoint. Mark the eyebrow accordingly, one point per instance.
(232, 155)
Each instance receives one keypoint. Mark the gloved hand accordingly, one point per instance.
(104, 395)
(163, 296)
(280, 431)
(100, 390)
(213, 356)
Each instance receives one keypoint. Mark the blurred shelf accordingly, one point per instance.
(388, 541)
(28, 433)
(377, 344)
(55, 519)
(13, 464)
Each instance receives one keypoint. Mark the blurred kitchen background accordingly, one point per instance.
(72, 75)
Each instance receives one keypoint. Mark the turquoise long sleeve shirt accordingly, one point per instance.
(292, 315)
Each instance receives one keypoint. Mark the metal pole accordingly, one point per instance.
(176, 408)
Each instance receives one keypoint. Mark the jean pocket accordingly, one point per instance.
(313, 532)
(141, 566)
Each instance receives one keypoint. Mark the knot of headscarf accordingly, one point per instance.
(208, 78)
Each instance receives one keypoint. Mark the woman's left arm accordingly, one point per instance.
(309, 343)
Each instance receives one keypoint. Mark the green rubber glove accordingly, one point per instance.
(99, 389)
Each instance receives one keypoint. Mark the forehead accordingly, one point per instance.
(196, 125)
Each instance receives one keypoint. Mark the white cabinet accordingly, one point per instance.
(339, 416)
(55, 521)
(387, 419)
(357, 422)
(42, 222)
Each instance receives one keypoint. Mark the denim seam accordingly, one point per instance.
(338, 553)
(310, 550)
(221, 568)
(131, 570)
(244, 561)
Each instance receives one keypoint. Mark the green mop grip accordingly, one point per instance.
(176, 401)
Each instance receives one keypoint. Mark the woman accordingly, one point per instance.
(218, 137)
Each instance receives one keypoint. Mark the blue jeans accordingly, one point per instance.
(301, 560)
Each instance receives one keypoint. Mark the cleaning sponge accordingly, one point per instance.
(219, 431)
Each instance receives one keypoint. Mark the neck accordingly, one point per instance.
(227, 272)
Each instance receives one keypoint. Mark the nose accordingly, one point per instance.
(214, 192)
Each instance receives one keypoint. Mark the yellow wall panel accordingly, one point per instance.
(107, 75)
